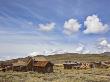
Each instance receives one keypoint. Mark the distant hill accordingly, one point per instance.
(60, 58)
(106, 53)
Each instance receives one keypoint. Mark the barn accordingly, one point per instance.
(42, 65)
(19, 66)
(23, 65)
(38, 64)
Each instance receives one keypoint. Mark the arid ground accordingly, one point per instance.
(63, 75)
(59, 75)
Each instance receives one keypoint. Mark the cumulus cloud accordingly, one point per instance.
(47, 52)
(80, 48)
(35, 54)
(105, 43)
(2, 58)
(94, 25)
(71, 26)
(108, 45)
(46, 27)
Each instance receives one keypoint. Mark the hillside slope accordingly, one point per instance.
(60, 58)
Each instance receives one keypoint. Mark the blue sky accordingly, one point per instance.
(40, 25)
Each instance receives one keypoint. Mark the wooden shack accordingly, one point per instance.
(29, 62)
(100, 64)
(42, 65)
(67, 66)
(70, 65)
(23, 65)
(6, 66)
(20, 66)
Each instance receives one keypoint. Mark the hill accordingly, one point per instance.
(60, 58)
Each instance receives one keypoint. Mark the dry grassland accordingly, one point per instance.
(59, 75)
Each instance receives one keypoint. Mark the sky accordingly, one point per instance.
(44, 26)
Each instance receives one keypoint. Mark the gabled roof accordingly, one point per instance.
(27, 59)
(40, 59)
(20, 63)
(41, 63)
(24, 62)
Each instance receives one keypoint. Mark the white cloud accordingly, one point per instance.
(80, 48)
(35, 54)
(94, 25)
(47, 52)
(86, 52)
(3, 58)
(46, 27)
(108, 45)
(104, 45)
(104, 42)
(71, 26)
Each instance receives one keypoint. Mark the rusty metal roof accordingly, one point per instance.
(41, 63)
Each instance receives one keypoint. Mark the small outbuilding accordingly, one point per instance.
(42, 65)
(100, 65)
(23, 65)
(70, 65)
(6, 66)
(20, 66)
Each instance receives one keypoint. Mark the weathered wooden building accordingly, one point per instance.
(38, 64)
(77, 65)
(100, 65)
(42, 65)
(23, 65)
(70, 65)
(20, 66)
(6, 66)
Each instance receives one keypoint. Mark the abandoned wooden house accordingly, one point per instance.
(38, 64)
(9, 68)
(29, 62)
(100, 65)
(77, 65)
(42, 65)
(23, 65)
(2, 69)
(67, 66)
(70, 65)
(6, 66)
(107, 62)
(20, 66)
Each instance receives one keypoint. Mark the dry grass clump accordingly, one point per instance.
(59, 75)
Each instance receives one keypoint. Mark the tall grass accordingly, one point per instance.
(59, 75)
